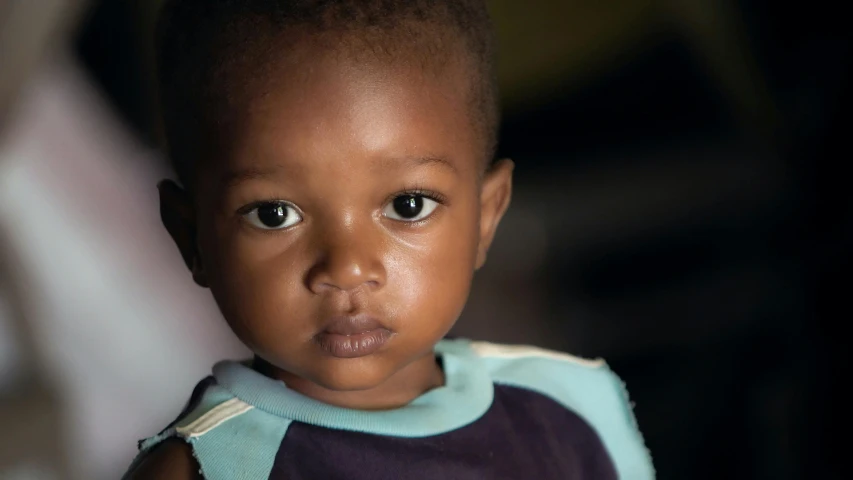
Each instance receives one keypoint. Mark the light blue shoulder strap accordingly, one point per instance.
(230, 439)
(587, 387)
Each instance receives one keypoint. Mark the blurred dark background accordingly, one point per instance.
(680, 210)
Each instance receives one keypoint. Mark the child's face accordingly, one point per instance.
(340, 235)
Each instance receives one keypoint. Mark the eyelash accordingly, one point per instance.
(416, 192)
(245, 209)
(419, 192)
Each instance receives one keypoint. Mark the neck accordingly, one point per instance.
(400, 389)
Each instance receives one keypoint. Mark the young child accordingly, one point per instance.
(338, 193)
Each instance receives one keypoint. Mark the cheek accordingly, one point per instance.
(432, 277)
(253, 277)
(249, 258)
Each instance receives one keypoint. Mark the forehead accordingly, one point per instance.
(321, 109)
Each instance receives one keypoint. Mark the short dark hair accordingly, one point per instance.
(209, 49)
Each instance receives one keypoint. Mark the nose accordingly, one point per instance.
(348, 259)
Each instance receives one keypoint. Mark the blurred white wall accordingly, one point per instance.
(122, 330)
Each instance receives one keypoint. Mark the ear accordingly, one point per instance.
(178, 216)
(495, 196)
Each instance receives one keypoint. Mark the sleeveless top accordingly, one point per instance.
(505, 412)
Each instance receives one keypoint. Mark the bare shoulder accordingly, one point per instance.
(171, 460)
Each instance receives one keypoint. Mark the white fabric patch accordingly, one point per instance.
(216, 416)
(493, 350)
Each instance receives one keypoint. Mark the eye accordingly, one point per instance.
(410, 208)
(273, 216)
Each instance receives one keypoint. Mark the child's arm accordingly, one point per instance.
(171, 460)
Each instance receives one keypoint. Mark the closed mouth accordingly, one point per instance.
(353, 336)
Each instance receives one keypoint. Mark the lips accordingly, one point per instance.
(353, 336)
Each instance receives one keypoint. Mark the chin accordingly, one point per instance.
(352, 377)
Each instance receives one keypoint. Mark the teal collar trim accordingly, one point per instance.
(465, 397)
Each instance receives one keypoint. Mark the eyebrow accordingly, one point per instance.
(400, 162)
(233, 178)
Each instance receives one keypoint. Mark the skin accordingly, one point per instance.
(339, 143)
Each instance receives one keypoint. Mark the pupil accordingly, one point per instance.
(408, 206)
(272, 215)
